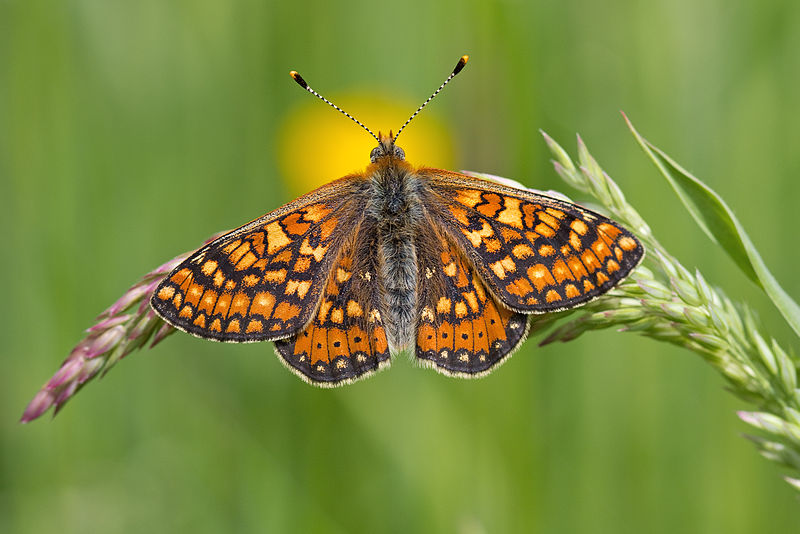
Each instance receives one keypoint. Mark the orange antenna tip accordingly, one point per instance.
(460, 65)
(299, 79)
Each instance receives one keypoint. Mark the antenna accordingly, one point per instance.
(460, 65)
(302, 83)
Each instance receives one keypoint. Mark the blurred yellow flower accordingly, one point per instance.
(318, 145)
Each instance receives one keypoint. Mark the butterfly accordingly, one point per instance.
(396, 258)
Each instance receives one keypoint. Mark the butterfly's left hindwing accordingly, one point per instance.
(264, 280)
(536, 253)
(462, 329)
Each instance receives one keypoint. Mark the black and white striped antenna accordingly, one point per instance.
(302, 83)
(459, 66)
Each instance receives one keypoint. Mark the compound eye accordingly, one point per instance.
(399, 152)
(376, 153)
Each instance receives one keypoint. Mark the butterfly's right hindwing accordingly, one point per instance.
(347, 339)
(264, 280)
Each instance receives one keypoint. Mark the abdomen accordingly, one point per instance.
(396, 207)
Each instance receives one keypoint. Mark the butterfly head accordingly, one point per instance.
(386, 149)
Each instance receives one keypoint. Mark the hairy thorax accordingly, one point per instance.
(394, 204)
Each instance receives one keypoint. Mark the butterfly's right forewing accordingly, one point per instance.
(264, 280)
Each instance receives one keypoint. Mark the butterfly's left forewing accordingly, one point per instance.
(264, 280)
(536, 253)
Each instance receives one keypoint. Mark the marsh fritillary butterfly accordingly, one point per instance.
(396, 258)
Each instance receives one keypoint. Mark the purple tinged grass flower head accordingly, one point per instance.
(125, 326)
(82, 364)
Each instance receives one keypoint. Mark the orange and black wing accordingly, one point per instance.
(346, 339)
(462, 329)
(536, 253)
(264, 280)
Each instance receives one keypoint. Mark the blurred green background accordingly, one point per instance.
(131, 131)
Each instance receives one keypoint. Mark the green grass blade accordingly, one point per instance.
(717, 220)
